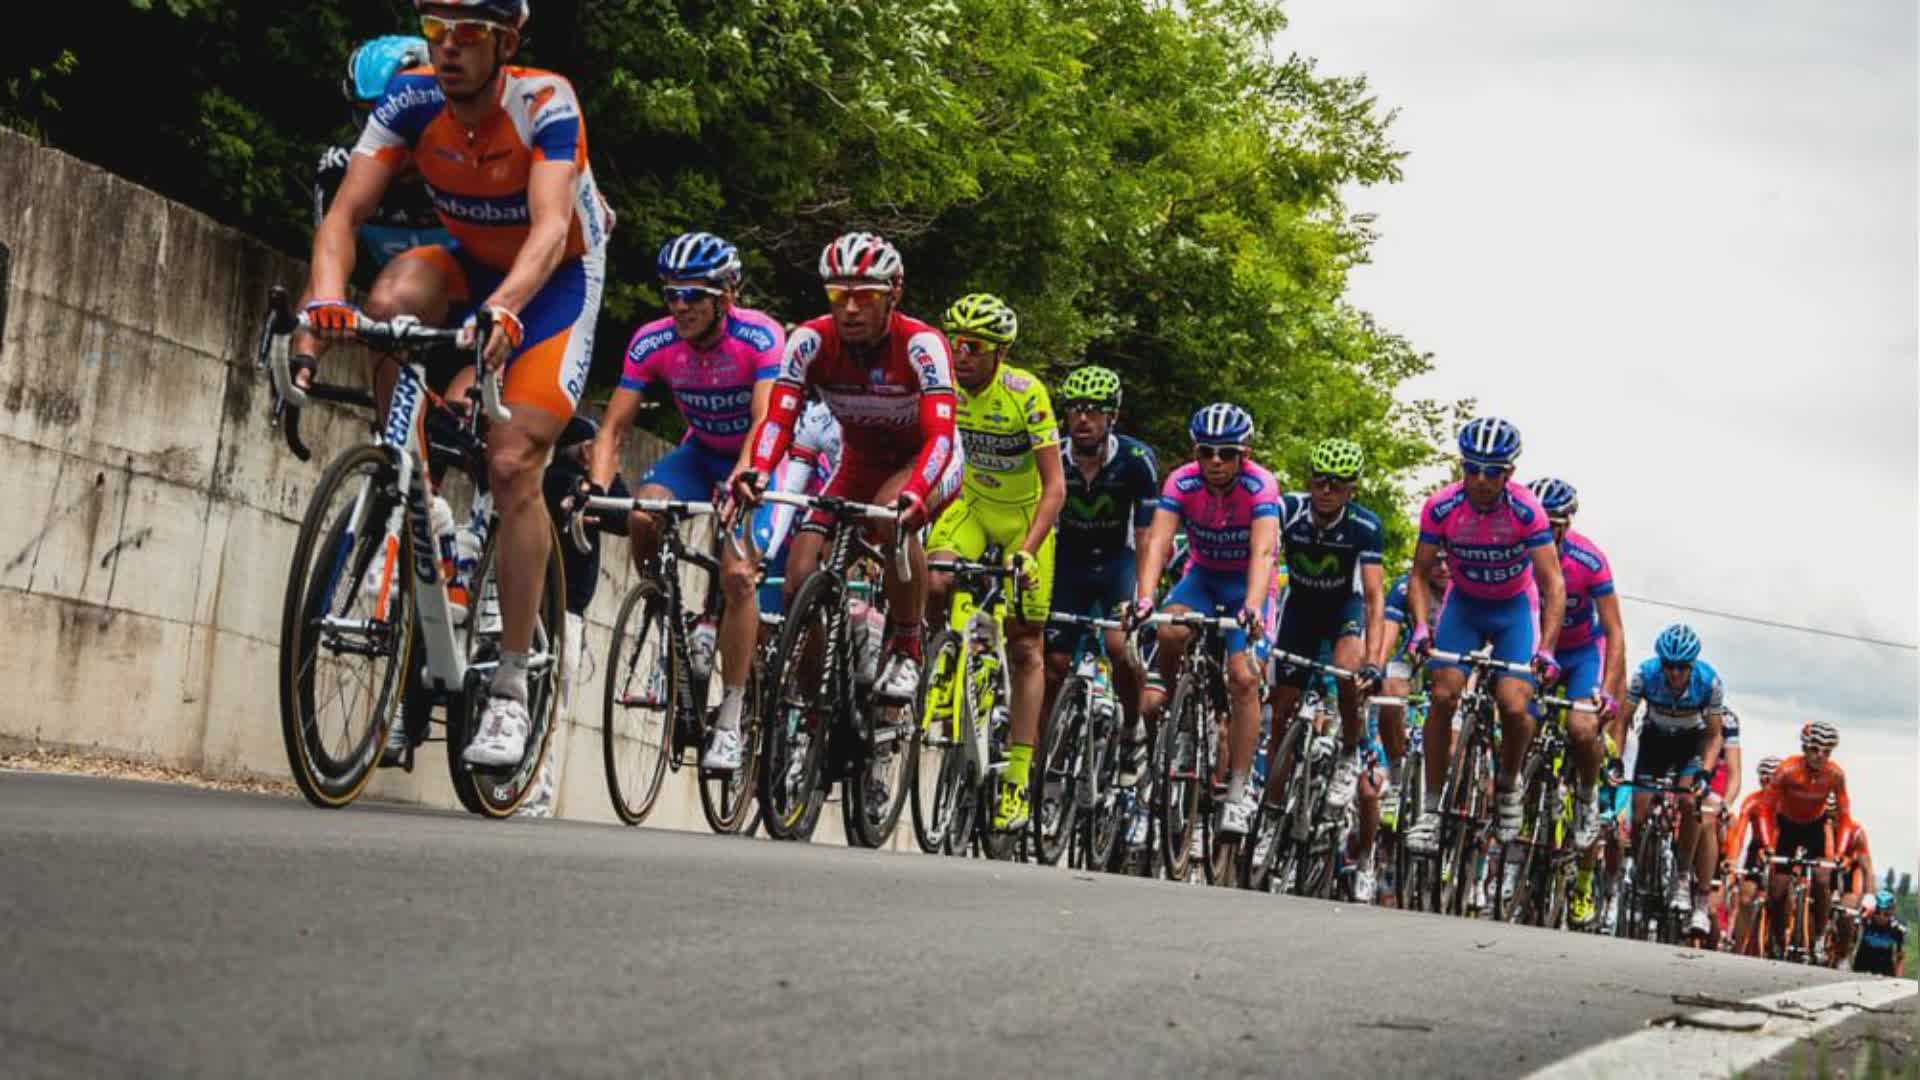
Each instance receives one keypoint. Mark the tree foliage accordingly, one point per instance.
(1157, 186)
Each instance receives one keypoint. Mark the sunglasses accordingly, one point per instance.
(1676, 665)
(861, 295)
(465, 32)
(1475, 469)
(1085, 407)
(689, 294)
(1328, 480)
(970, 346)
(1228, 454)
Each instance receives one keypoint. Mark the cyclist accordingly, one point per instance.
(1682, 736)
(1742, 849)
(405, 216)
(719, 359)
(888, 379)
(1009, 497)
(1854, 880)
(1716, 810)
(1335, 599)
(528, 245)
(1230, 507)
(1883, 940)
(1500, 548)
(1112, 486)
(809, 464)
(1792, 818)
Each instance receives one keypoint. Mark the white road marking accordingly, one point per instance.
(1703, 1051)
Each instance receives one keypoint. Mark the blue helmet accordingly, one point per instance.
(1221, 423)
(1883, 900)
(512, 13)
(701, 256)
(1556, 496)
(1677, 644)
(374, 64)
(1489, 440)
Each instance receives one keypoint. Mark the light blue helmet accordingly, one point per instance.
(1489, 440)
(1884, 900)
(700, 256)
(1221, 424)
(1677, 644)
(1556, 496)
(374, 64)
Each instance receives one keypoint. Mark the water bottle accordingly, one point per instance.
(468, 540)
(700, 645)
(440, 517)
(869, 629)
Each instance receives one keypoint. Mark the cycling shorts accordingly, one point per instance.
(1468, 622)
(549, 368)
(860, 479)
(1206, 591)
(691, 470)
(1580, 667)
(969, 525)
(1794, 835)
(1087, 589)
(1304, 629)
(1667, 754)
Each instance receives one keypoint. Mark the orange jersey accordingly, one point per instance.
(478, 178)
(1748, 815)
(1798, 792)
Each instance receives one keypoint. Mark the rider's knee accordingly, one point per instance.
(1025, 648)
(739, 580)
(1241, 679)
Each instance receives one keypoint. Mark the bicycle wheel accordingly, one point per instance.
(639, 700)
(932, 791)
(874, 791)
(1056, 787)
(1460, 829)
(1513, 863)
(497, 793)
(1179, 788)
(1410, 871)
(343, 650)
(984, 701)
(726, 798)
(798, 714)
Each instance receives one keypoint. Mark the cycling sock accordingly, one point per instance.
(1429, 801)
(904, 639)
(1019, 759)
(1236, 785)
(510, 678)
(731, 699)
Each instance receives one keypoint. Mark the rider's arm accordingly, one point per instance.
(934, 368)
(1842, 800)
(1053, 495)
(773, 432)
(1374, 596)
(1419, 604)
(1263, 553)
(550, 191)
(1553, 594)
(333, 240)
(1731, 751)
(766, 369)
(1710, 745)
(1614, 676)
(603, 457)
(1153, 553)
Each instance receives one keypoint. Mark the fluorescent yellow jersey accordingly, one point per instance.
(1000, 428)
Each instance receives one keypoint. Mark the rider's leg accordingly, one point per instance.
(906, 597)
(1393, 720)
(1513, 695)
(1347, 654)
(1243, 729)
(739, 628)
(1284, 699)
(1444, 685)
(422, 282)
(1172, 646)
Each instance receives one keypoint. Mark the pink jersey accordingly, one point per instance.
(1490, 554)
(1588, 577)
(713, 389)
(1220, 527)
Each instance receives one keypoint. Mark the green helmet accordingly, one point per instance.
(1337, 457)
(1092, 383)
(983, 315)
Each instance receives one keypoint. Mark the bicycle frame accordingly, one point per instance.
(977, 619)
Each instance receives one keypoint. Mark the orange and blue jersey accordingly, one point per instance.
(478, 178)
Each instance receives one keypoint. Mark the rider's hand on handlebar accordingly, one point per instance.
(1699, 783)
(301, 367)
(576, 504)
(1251, 621)
(913, 510)
(1025, 567)
(1420, 643)
(502, 340)
(1616, 770)
(1135, 613)
(1369, 678)
(332, 318)
(1545, 668)
(746, 487)
(1606, 704)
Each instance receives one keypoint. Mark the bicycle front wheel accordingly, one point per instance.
(1056, 788)
(346, 629)
(938, 759)
(726, 798)
(983, 704)
(638, 703)
(1183, 781)
(797, 716)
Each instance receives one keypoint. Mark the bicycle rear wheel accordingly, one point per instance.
(1461, 827)
(1182, 782)
(638, 703)
(343, 650)
(931, 789)
(1056, 789)
(497, 793)
(726, 798)
(798, 715)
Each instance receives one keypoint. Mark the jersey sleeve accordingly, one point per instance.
(927, 354)
(789, 395)
(642, 366)
(1372, 544)
(326, 178)
(1170, 495)
(1043, 428)
(1600, 583)
(766, 364)
(394, 126)
(1396, 610)
(1144, 483)
(1636, 690)
(1431, 531)
(558, 133)
(1531, 515)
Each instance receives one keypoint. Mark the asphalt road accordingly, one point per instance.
(157, 930)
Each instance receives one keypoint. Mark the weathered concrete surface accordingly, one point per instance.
(150, 512)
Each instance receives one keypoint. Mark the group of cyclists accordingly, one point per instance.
(470, 184)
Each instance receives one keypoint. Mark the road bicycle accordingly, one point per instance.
(1795, 943)
(1466, 794)
(1402, 876)
(964, 721)
(1533, 871)
(1296, 846)
(1186, 749)
(393, 653)
(821, 721)
(659, 697)
(1075, 795)
(1648, 911)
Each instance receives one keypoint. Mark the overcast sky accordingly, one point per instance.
(1676, 244)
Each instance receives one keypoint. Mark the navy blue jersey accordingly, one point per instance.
(1097, 521)
(1323, 565)
(1879, 945)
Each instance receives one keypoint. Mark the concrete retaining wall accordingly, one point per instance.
(150, 513)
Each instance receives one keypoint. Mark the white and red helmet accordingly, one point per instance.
(861, 255)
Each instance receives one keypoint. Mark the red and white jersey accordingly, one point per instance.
(478, 178)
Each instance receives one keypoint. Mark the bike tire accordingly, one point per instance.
(1513, 907)
(727, 799)
(1180, 786)
(997, 844)
(491, 793)
(933, 804)
(794, 727)
(640, 650)
(893, 732)
(1059, 771)
(330, 779)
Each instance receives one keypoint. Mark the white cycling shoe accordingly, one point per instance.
(1363, 885)
(1424, 837)
(1586, 820)
(1236, 816)
(502, 739)
(723, 752)
(900, 680)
